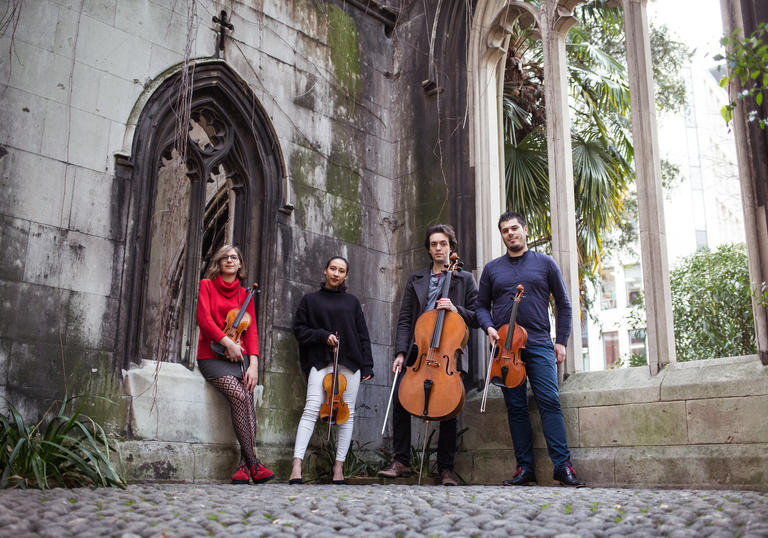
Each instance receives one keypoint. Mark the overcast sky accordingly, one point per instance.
(697, 23)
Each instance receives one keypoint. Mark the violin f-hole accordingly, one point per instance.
(428, 383)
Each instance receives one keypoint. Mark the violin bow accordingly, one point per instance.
(332, 418)
(487, 379)
(389, 403)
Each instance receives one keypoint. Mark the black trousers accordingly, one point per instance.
(401, 436)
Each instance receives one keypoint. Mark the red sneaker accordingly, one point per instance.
(241, 475)
(260, 474)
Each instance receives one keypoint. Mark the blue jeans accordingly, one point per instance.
(541, 369)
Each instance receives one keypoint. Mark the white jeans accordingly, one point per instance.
(315, 397)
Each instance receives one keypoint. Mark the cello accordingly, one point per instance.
(334, 410)
(506, 368)
(432, 389)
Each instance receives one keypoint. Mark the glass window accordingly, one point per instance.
(611, 348)
(608, 290)
(633, 279)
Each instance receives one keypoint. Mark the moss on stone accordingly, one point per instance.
(347, 220)
(303, 165)
(345, 54)
(343, 176)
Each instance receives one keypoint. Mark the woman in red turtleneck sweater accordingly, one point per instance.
(237, 373)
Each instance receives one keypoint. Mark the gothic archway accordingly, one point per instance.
(226, 191)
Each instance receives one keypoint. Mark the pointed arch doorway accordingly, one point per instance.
(182, 210)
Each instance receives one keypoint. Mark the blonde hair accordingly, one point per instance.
(214, 268)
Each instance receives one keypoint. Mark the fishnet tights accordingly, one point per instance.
(241, 405)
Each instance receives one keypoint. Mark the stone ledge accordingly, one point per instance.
(714, 378)
(610, 387)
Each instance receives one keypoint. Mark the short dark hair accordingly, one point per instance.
(343, 286)
(342, 258)
(509, 215)
(446, 229)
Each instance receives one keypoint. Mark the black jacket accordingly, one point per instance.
(462, 293)
(324, 312)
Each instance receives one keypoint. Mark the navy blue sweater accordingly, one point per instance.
(540, 276)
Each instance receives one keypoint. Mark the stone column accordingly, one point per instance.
(486, 79)
(653, 241)
(555, 22)
(752, 199)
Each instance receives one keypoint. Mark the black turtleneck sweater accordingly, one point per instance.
(322, 313)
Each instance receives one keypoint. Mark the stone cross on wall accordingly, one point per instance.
(224, 25)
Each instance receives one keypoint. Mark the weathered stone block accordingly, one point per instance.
(128, 57)
(595, 465)
(704, 466)
(214, 462)
(283, 391)
(151, 22)
(170, 403)
(636, 424)
(13, 245)
(160, 58)
(36, 70)
(728, 420)
(152, 460)
(49, 303)
(87, 260)
(24, 115)
(37, 19)
(117, 97)
(486, 431)
(90, 214)
(610, 387)
(277, 426)
(714, 378)
(91, 320)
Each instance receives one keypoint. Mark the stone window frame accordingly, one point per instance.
(214, 81)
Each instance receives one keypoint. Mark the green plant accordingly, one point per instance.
(67, 451)
(357, 463)
(747, 63)
(430, 455)
(712, 304)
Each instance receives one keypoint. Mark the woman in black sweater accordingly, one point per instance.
(324, 319)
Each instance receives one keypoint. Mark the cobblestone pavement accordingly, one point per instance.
(154, 510)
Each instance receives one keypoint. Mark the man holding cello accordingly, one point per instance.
(421, 295)
(540, 277)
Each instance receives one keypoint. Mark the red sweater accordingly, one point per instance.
(216, 299)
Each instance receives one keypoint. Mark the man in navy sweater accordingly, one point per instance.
(540, 277)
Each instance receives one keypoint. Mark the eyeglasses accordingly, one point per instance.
(233, 257)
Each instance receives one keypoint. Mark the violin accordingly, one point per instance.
(237, 323)
(431, 388)
(507, 368)
(334, 410)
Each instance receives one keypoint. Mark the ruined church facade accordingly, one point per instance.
(139, 135)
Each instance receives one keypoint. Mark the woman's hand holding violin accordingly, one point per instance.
(252, 374)
(232, 350)
(333, 340)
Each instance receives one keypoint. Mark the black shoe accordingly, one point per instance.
(522, 477)
(341, 482)
(566, 477)
(295, 481)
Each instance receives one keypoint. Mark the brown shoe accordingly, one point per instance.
(396, 470)
(448, 478)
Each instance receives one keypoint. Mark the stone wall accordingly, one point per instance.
(360, 139)
(695, 424)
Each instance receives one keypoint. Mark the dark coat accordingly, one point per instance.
(462, 293)
(332, 311)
